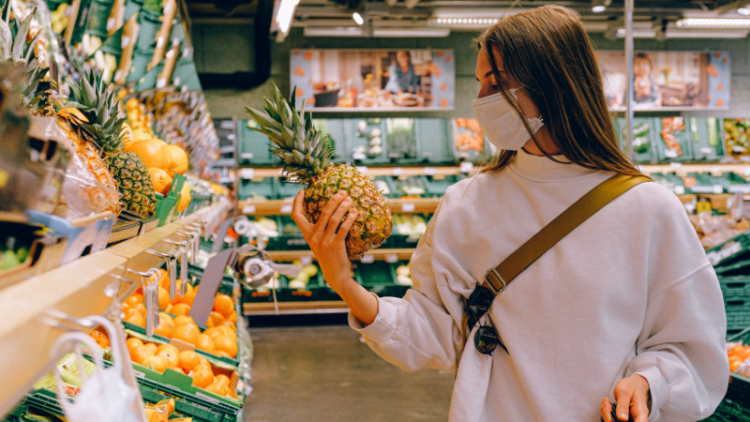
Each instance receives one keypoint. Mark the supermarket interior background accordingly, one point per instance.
(145, 224)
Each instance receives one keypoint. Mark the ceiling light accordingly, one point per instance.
(598, 9)
(598, 6)
(416, 32)
(744, 10)
(714, 23)
(358, 18)
(285, 14)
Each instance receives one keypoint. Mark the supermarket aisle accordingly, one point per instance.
(326, 374)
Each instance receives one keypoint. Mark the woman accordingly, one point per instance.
(626, 307)
(402, 76)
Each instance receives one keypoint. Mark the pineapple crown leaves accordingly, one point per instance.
(294, 138)
(15, 48)
(91, 96)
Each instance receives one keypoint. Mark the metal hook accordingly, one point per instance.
(149, 273)
(81, 322)
(160, 254)
(184, 243)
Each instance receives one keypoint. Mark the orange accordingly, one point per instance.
(173, 160)
(169, 308)
(222, 379)
(189, 295)
(226, 344)
(204, 361)
(167, 348)
(214, 332)
(210, 323)
(150, 152)
(223, 304)
(218, 388)
(166, 317)
(185, 333)
(135, 318)
(152, 347)
(101, 339)
(231, 326)
(203, 379)
(157, 363)
(161, 180)
(133, 300)
(133, 343)
(155, 416)
(163, 298)
(140, 354)
(183, 319)
(204, 342)
(125, 307)
(178, 369)
(233, 316)
(216, 318)
(203, 367)
(163, 329)
(180, 309)
(170, 357)
(734, 365)
(221, 353)
(226, 330)
(188, 360)
(185, 197)
(141, 309)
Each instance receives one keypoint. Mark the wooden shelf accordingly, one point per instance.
(684, 169)
(284, 206)
(377, 254)
(443, 171)
(296, 308)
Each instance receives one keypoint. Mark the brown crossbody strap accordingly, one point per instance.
(498, 278)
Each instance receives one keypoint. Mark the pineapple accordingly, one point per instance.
(307, 160)
(92, 114)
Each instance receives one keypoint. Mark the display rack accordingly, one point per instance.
(284, 206)
(389, 255)
(82, 288)
(296, 308)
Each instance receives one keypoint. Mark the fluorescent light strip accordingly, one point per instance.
(713, 23)
(467, 21)
(285, 14)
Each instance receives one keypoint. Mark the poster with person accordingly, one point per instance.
(361, 80)
(676, 80)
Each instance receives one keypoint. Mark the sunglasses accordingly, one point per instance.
(486, 338)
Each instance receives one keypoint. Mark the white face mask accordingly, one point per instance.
(501, 123)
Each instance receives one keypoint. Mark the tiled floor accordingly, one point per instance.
(327, 374)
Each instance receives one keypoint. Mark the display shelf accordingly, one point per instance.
(284, 206)
(296, 308)
(373, 171)
(377, 255)
(683, 169)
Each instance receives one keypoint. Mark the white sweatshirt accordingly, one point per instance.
(629, 291)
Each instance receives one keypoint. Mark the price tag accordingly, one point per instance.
(139, 374)
(247, 173)
(675, 166)
(359, 156)
(172, 278)
(718, 189)
(118, 74)
(467, 167)
(396, 171)
(125, 41)
(110, 24)
(247, 155)
(679, 190)
(430, 171)
(161, 83)
(248, 209)
(368, 259)
(747, 171)
(391, 258)
(305, 260)
(715, 169)
(286, 209)
(183, 269)
(407, 207)
(160, 42)
(362, 169)
(706, 151)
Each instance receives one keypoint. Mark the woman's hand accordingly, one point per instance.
(631, 395)
(327, 241)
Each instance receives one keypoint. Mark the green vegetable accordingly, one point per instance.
(23, 253)
(9, 261)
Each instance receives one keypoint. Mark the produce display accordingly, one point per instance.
(737, 136)
(307, 160)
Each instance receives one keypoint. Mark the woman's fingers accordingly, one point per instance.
(639, 408)
(298, 214)
(327, 211)
(606, 410)
(623, 396)
(346, 226)
(335, 220)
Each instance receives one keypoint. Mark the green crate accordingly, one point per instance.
(672, 182)
(185, 74)
(683, 137)
(202, 409)
(265, 188)
(285, 190)
(731, 251)
(737, 268)
(437, 187)
(463, 154)
(312, 292)
(434, 142)
(81, 22)
(54, 4)
(131, 8)
(336, 130)
(183, 383)
(707, 136)
(149, 80)
(411, 186)
(253, 146)
(375, 276)
(358, 140)
(644, 138)
(290, 236)
(708, 184)
(737, 183)
(735, 286)
(98, 17)
(149, 24)
(139, 65)
(729, 411)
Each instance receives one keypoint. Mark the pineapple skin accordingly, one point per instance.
(134, 183)
(374, 220)
(91, 156)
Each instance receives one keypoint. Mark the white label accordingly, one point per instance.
(679, 190)
(467, 167)
(715, 169)
(248, 209)
(397, 171)
(675, 166)
(736, 189)
(359, 156)
(170, 54)
(206, 397)
(430, 171)
(407, 207)
(160, 42)
(247, 173)
(747, 171)
(718, 189)
(161, 83)
(305, 260)
(706, 151)
(729, 250)
(110, 24)
(139, 374)
(247, 155)
(118, 74)
(125, 41)
(286, 209)
(391, 258)
(168, 8)
(368, 259)
(177, 81)
(362, 169)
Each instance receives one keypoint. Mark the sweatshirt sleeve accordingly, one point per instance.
(417, 331)
(681, 350)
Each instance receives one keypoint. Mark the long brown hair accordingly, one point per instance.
(548, 55)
